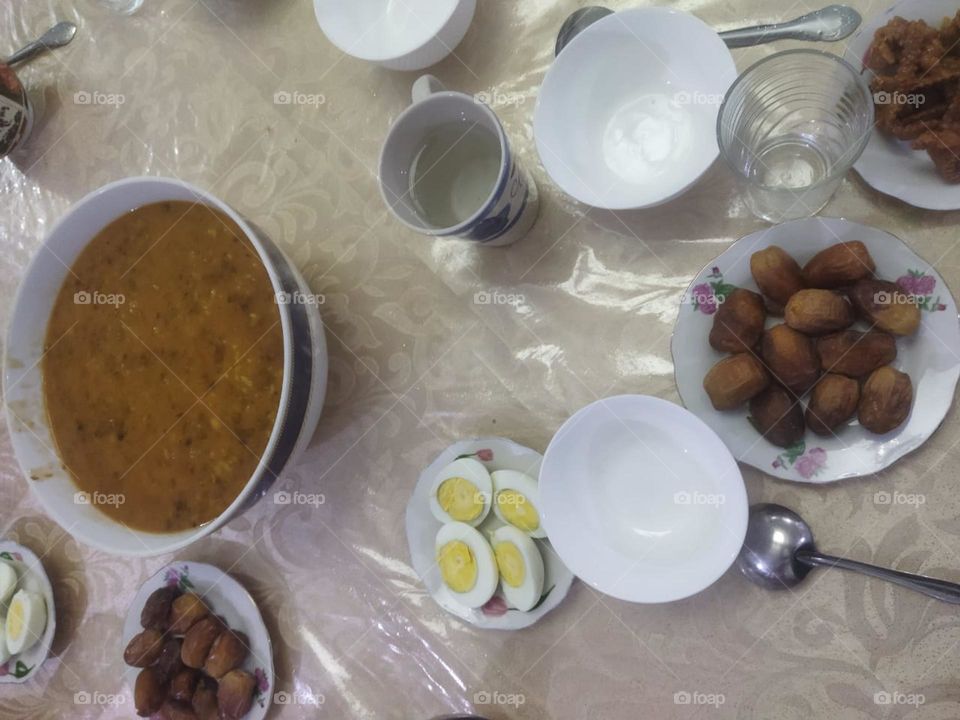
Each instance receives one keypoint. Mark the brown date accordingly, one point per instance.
(738, 322)
(734, 380)
(228, 652)
(839, 265)
(185, 611)
(149, 691)
(143, 649)
(791, 358)
(183, 684)
(854, 353)
(833, 401)
(885, 400)
(204, 700)
(817, 312)
(886, 306)
(777, 274)
(198, 641)
(156, 610)
(778, 416)
(235, 694)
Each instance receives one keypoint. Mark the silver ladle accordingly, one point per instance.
(778, 552)
(828, 24)
(57, 36)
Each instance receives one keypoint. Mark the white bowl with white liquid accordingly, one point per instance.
(626, 116)
(642, 500)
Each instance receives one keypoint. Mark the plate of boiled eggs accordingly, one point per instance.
(476, 536)
(27, 616)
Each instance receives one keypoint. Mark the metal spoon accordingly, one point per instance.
(778, 552)
(828, 24)
(57, 36)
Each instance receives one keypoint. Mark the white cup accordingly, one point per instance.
(510, 209)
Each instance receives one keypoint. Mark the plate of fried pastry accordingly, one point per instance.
(911, 56)
(819, 349)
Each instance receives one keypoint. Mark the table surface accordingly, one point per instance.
(186, 88)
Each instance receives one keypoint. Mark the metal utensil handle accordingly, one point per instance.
(829, 24)
(57, 36)
(939, 589)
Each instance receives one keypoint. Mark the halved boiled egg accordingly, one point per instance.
(467, 564)
(520, 565)
(462, 492)
(516, 498)
(26, 619)
(8, 580)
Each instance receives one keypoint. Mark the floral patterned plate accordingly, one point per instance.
(228, 599)
(496, 454)
(931, 357)
(32, 576)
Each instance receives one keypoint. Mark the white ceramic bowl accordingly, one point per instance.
(642, 500)
(301, 398)
(408, 35)
(626, 117)
(887, 164)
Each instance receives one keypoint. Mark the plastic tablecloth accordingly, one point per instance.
(187, 88)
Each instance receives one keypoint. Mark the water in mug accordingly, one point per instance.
(454, 173)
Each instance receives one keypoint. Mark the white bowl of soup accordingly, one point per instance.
(165, 361)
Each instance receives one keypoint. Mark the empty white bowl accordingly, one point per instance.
(642, 500)
(626, 117)
(408, 35)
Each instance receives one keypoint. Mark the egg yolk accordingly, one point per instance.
(15, 620)
(460, 499)
(510, 562)
(457, 566)
(517, 510)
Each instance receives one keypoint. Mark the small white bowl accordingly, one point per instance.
(642, 500)
(301, 397)
(408, 35)
(626, 117)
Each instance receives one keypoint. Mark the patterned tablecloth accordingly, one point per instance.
(186, 88)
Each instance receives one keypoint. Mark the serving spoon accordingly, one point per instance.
(828, 24)
(57, 36)
(778, 552)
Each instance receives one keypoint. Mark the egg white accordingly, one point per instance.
(4, 651)
(523, 484)
(476, 473)
(34, 621)
(528, 593)
(487, 574)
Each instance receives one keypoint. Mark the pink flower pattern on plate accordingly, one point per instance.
(806, 462)
(921, 287)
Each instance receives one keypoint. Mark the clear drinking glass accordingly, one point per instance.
(791, 127)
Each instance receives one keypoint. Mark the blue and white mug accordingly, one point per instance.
(511, 207)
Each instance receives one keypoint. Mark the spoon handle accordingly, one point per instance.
(939, 589)
(57, 36)
(828, 24)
